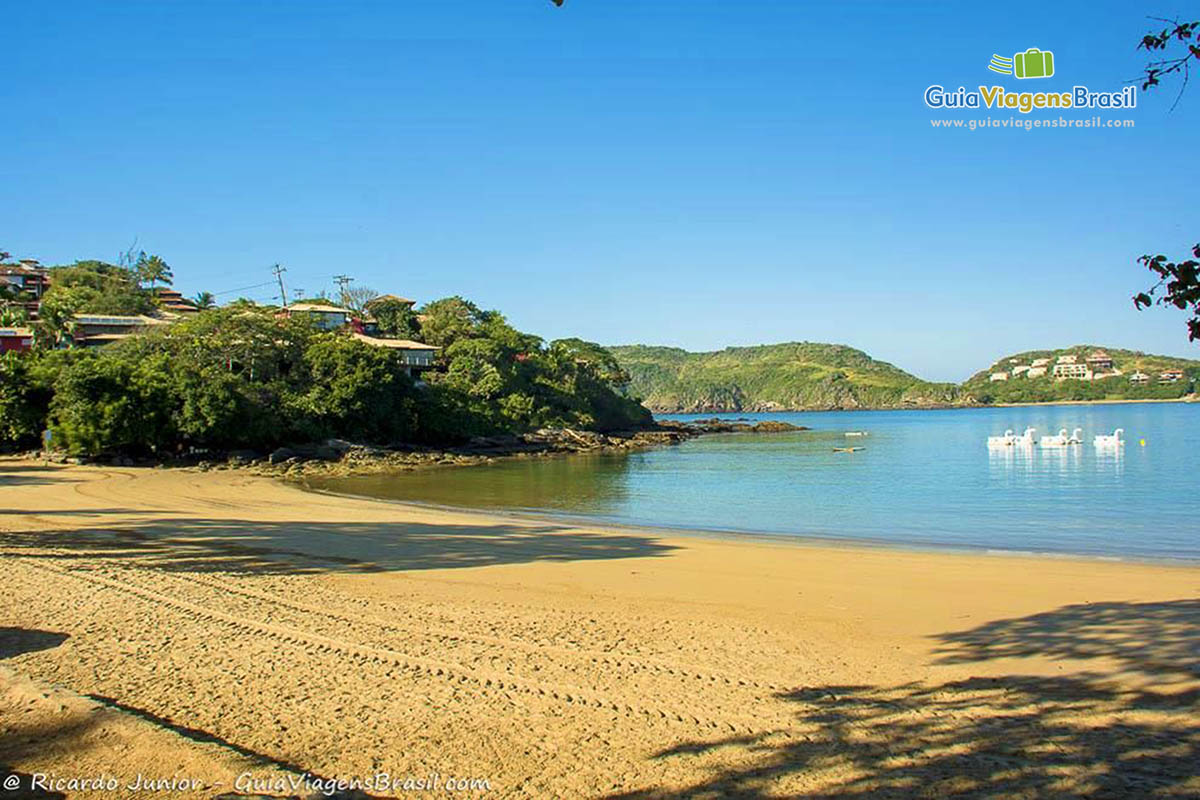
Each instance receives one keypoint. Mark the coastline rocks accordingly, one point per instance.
(717, 425)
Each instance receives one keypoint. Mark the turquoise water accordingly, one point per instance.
(924, 478)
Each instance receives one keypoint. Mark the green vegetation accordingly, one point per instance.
(239, 377)
(797, 375)
(93, 287)
(819, 376)
(394, 318)
(1047, 389)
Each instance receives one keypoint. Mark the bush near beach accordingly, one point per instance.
(244, 377)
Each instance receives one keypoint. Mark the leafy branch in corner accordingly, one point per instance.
(1185, 33)
(1180, 279)
(1182, 283)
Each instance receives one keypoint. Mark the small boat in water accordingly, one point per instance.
(847, 449)
(1007, 440)
(1076, 436)
(857, 433)
(1113, 439)
(1026, 439)
(1058, 440)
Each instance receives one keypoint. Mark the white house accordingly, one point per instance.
(1071, 370)
(416, 355)
(998, 376)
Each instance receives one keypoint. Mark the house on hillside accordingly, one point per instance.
(1067, 358)
(173, 301)
(1019, 370)
(1065, 370)
(386, 298)
(1040, 362)
(1099, 361)
(1036, 372)
(94, 330)
(1139, 378)
(327, 318)
(28, 276)
(998, 376)
(19, 340)
(416, 355)
(1170, 376)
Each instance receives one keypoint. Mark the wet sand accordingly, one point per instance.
(206, 626)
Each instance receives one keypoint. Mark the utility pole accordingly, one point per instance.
(342, 281)
(278, 270)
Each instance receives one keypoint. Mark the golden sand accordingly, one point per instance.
(209, 626)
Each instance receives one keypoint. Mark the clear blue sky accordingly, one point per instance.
(690, 172)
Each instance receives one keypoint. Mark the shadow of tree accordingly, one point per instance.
(30, 474)
(1156, 639)
(210, 545)
(16, 641)
(1084, 735)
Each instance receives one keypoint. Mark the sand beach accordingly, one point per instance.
(232, 633)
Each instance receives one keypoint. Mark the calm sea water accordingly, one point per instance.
(924, 478)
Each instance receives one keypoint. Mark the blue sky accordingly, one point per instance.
(700, 173)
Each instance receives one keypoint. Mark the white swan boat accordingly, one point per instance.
(1006, 440)
(1076, 436)
(1113, 439)
(1026, 439)
(1058, 440)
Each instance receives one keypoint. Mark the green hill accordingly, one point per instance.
(791, 376)
(812, 376)
(1107, 383)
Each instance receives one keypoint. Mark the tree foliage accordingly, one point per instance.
(395, 319)
(1178, 278)
(153, 270)
(1181, 284)
(239, 377)
(90, 287)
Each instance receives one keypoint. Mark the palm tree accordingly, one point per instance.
(154, 269)
(205, 300)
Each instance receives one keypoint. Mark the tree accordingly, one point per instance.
(204, 300)
(1182, 285)
(356, 298)
(450, 319)
(109, 403)
(1179, 278)
(154, 270)
(92, 287)
(23, 402)
(395, 318)
(355, 391)
(12, 305)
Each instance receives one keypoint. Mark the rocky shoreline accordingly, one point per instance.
(339, 457)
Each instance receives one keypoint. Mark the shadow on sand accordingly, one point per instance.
(208, 545)
(1083, 735)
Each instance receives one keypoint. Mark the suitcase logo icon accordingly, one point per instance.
(1033, 63)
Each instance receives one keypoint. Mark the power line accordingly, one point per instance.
(244, 288)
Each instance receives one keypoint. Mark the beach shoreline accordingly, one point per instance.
(245, 624)
(749, 536)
